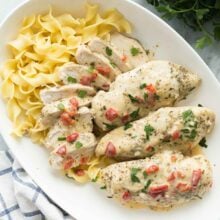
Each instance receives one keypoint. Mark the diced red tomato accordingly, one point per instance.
(126, 195)
(150, 88)
(110, 150)
(124, 58)
(125, 118)
(152, 169)
(68, 163)
(66, 119)
(86, 80)
(180, 174)
(196, 176)
(84, 160)
(183, 187)
(103, 70)
(74, 102)
(173, 158)
(80, 172)
(176, 135)
(171, 177)
(72, 137)
(111, 114)
(61, 150)
(154, 191)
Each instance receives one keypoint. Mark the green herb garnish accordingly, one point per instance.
(108, 51)
(202, 143)
(134, 115)
(61, 138)
(91, 68)
(133, 176)
(103, 187)
(127, 126)
(109, 126)
(61, 106)
(113, 64)
(148, 130)
(70, 79)
(134, 51)
(132, 98)
(195, 14)
(142, 86)
(188, 115)
(82, 93)
(199, 105)
(146, 186)
(145, 175)
(78, 145)
(95, 179)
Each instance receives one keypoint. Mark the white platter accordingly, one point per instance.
(88, 202)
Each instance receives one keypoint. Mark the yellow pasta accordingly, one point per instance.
(45, 42)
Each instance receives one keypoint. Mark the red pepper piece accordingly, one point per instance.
(103, 70)
(111, 114)
(152, 169)
(110, 150)
(61, 150)
(196, 176)
(72, 137)
(126, 196)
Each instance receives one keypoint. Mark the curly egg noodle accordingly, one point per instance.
(45, 42)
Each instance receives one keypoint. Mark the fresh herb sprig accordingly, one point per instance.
(194, 13)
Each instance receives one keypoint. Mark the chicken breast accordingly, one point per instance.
(85, 56)
(76, 149)
(82, 123)
(56, 93)
(50, 113)
(85, 75)
(134, 94)
(177, 128)
(164, 181)
(112, 53)
(133, 51)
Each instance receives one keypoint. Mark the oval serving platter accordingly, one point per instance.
(88, 201)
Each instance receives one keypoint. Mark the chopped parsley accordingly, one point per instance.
(127, 126)
(95, 179)
(133, 175)
(132, 98)
(61, 106)
(200, 105)
(190, 124)
(103, 187)
(145, 97)
(70, 79)
(82, 93)
(109, 126)
(108, 51)
(113, 64)
(135, 114)
(134, 51)
(61, 138)
(142, 86)
(148, 130)
(91, 68)
(203, 143)
(146, 186)
(78, 145)
(145, 175)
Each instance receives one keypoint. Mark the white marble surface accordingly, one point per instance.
(211, 54)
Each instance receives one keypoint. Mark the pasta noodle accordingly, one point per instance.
(45, 42)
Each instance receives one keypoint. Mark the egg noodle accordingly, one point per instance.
(45, 42)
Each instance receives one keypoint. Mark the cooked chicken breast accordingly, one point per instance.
(179, 128)
(76, 149)
(85, 75)
(56, 93)
(51, 112)
(134, 94)
(112, 53)
(82, 123)
(85, 56)
(164, 181)
(132, 50)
